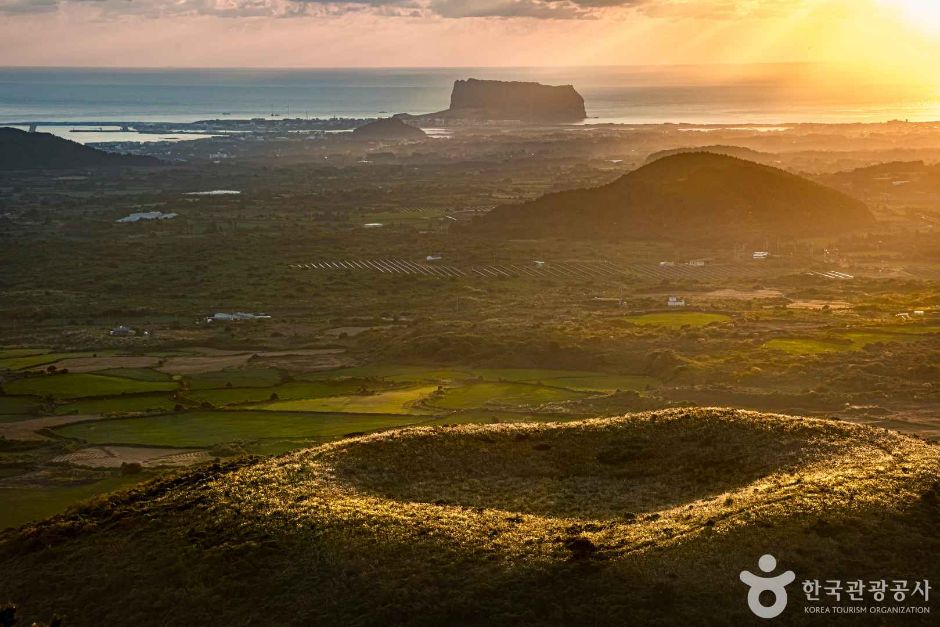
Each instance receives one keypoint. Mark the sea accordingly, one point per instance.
(766, 95)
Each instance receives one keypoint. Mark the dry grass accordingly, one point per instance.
(646, 480)
(643, 519)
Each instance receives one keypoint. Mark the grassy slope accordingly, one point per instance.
(278, 542)
(205, 428)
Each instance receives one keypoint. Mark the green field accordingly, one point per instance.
(573, 379)
(21, 505)
(9, 353)
(119, 405)
(804, 346)
(139, 374)
(479, 395)
(206, 428)
(678, 319)
(295, 390)
(18, 404)
(395, 373)
(83, 385)
(391, 402)
(236, 378)
(22, 362)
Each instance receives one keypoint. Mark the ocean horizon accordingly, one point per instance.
(625, 95)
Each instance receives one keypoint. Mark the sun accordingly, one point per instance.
(924, 14)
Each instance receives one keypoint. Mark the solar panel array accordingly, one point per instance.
(566, 270)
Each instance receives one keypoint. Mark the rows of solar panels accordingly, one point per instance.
(567, 270)
(562, 270)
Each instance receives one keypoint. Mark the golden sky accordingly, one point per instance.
(898, 38)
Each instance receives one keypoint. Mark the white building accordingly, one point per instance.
(761, 254)
(675, 301)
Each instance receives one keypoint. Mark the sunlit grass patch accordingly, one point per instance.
(864, 336)
(205, 428)
(389, 402)
(678, 319)
(295, 390)
(479, 395)
(395, 373)
(83, 385)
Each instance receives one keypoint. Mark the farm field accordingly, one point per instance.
(204, 429)
(477, 395)
(267, 411)
(677, 319)
(404, 401)
(21, 505)
(851, 340)
(70, 385)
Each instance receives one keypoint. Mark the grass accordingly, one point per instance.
(138, 374)
(9, 353)
(804, 346)
(573, 379)
(205, 428)
(480, 395)
(39, 359)
(593, 522)
(678, 319)
(71, 385)
(855, 339)
(14, 417)
(18, 404)
(119, 405)
(239, 378)
(289, 391)
(22, 505)
(394, 373)
(391, 402)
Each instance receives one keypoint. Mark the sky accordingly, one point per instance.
(897, 38)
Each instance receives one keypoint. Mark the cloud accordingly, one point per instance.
(24, 7)
(508, 8)
(446, 9)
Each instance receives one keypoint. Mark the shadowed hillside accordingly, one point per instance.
(388, 128)
(731, 151)
(687, 196)
(644, 519)
(20, 150)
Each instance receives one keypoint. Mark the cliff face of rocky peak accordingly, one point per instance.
(502, 100)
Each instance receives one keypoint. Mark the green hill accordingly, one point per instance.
(20, 150)
(687, 196)
(644, 519)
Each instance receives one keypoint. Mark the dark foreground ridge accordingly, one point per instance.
(20, 150)
(687, 196)
(643, 519)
